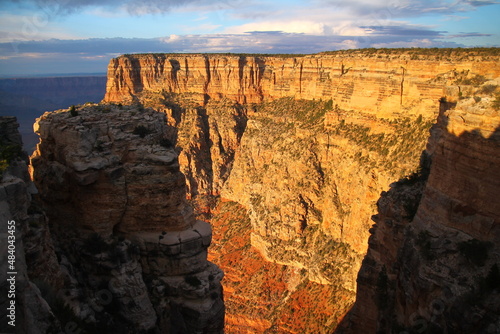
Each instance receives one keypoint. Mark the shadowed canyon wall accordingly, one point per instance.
(123, 250)
(110, 172)
(303, 147)
(433, 261)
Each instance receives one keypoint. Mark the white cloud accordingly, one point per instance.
(294, 26)
(404, 8)
(420, 43)
(30, 27)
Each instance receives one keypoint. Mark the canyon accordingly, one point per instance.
(288, 158)
(303, 146)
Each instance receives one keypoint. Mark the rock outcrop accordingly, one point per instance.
(134, 255)
(433, 257)
(26, 248)
(305, 144)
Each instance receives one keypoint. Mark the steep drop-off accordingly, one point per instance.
(305, 145)
(434, 253)
(133, 256)
(26, 248)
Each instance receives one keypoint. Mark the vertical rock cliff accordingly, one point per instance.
(433, 258)
(133, 254)
(304, 145)
(27, 252)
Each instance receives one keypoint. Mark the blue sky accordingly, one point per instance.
(80, 36)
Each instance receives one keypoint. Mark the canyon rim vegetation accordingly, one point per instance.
(351, 191)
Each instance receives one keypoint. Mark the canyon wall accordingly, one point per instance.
(27, 252)
(305, 145)
(433, 256)
(379, 83)
(133, 254)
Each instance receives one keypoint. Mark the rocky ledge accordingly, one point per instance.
(127, 239)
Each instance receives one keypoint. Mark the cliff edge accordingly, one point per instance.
(132, 252)
(433, 259)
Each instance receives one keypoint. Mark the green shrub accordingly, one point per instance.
(493, 278)
(496, 102)
(7, 154)
(381, 292)
(141, 131)
(192, 280)
(474, 81)
(475, 251)
(95, 244)
(487, 89)
(72, 111)
(3, 166)
(165, 142)
(424, 243)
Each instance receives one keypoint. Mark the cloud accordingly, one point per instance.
(254, 42)
(30, 27)
(291, 26)
(404, 8)
(468, 35)
(136, 7)
(403, 30)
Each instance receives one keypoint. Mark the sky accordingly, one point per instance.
(41, 37)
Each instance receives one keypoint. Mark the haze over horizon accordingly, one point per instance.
(41, 37)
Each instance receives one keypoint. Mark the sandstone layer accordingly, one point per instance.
(134, 255)
(378, 83)
(305, 144)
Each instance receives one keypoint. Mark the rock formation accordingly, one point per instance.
(32, 259)
(433, 257)
(132, 252)
(305, 145)
(374, 82)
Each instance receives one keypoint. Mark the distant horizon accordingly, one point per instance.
(52, 75)
(4, 76)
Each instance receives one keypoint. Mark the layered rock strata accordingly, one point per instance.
(433, 257)
(112, 188)
(371, 82)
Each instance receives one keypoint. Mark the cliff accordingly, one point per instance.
(28, 256)
(305, 145)
(133, 255)
(433, 256)
(376, 83)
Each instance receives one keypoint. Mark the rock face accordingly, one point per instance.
(371, 82)
(433, 257)
(305, 145)
(34, 257)
(133, 252)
